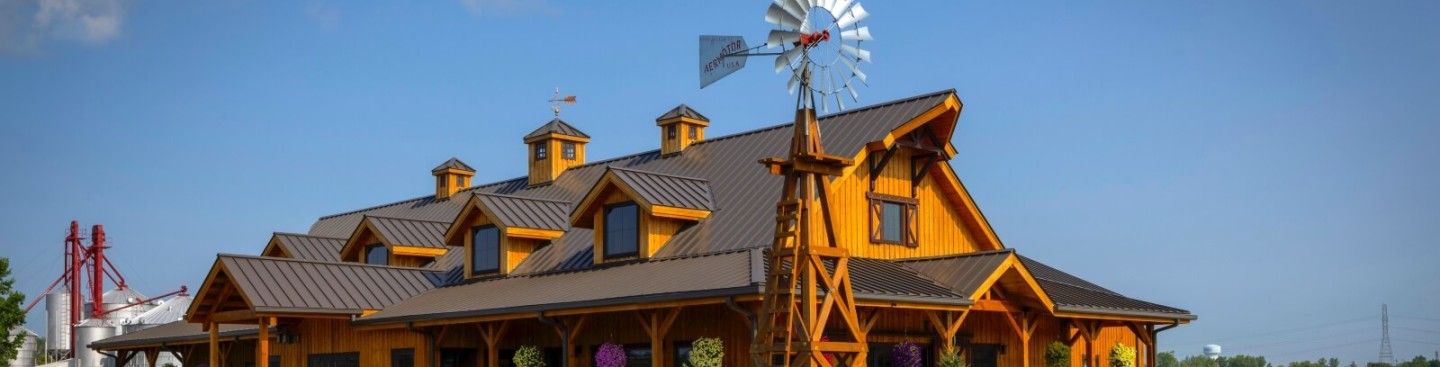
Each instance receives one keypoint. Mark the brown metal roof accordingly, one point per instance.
(407, 232)
(667, 190)
(174, 333)
(452, 163)
(1070, 293)
(307, 247)
(515, 211)
(290, 285)
(557, 126)
(682, 110)
(963, 274)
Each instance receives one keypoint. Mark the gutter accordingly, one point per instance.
(749, 316)
(1097, 311)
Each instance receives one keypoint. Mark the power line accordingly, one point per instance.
(1283, 331)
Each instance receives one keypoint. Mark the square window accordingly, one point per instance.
(670, 131)
(694, 132)
(893, 220)
(540, 152)
(568, 150)
(622, 230)
(459, 181)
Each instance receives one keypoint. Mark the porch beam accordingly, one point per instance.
(946, 325)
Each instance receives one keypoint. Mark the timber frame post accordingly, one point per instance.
(657, 324)
(1145, 334)
(946, 324)
(1024, 328)
(1090, 331)
(490, 333)
(214, 344)
(262, 342)
(567, 332)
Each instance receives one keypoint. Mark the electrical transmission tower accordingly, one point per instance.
(1386, 355)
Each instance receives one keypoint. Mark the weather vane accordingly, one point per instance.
(556, 100)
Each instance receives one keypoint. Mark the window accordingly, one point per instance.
(568, 150)
(459, 181)
(670, 132)
(622, 230)
(485, 250)
(402, 357)
(694, 132)
(682, 353)
(334, 360)
(377, 254)
(893, 220)
(540, 152)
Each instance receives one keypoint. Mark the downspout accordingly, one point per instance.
(429, 344)
(564, 338)
(749, 316)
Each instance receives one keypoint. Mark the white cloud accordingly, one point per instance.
(509, 7)
(26, 24)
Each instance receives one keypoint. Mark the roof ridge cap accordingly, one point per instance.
(306, 235)
(508, 196)
(404, 219)
(953, 256)
(318, 262)
(657, 173)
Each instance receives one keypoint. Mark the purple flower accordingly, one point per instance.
(906, 354)
(610, 355)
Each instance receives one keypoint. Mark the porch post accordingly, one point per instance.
(947, 326)
(491, 333)
(262, 344)
(657, 323)
(151, 355)
(214, 344)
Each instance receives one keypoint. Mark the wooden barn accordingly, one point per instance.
(653, 251)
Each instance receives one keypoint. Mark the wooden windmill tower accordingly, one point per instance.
(808, 317)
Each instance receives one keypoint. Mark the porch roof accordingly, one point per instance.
(174, 333)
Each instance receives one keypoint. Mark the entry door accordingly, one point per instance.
(984, 355)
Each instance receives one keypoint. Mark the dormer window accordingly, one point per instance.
(540, 152)
(485, 253)
(622, 230)
(377, 254)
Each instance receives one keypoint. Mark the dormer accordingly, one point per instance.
(395, 242)
(304, 247)
(498, 232)
(634, 213)
(680, 127)
(451, 177)
(554, 148)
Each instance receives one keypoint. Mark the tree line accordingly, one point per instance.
(1168, 359)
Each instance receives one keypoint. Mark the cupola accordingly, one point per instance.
(554, 148)
(451, 177)
(680, 127)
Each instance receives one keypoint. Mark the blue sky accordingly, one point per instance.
(1270, 165)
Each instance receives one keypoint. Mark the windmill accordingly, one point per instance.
(807, 289)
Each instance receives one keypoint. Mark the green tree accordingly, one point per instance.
(11, 316)
(1198, 361)
(1166, 359)
(1241, 360)
(1418, 361)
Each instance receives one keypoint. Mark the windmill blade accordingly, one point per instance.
(858, 53)
(855, 70)
(793, 83)
(860, 34)
(856, 14)
(777, 15)
(786, 58)
(801, 8)
(839, 6)
(779, 37)
(793, 8)
(854, 94)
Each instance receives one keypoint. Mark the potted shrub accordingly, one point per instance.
(610, 355)
(706, 352)
(1057, 354)
(1122, 356)
(528, 356)
(906, 354)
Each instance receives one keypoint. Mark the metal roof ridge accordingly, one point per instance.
(293, 234)
(404, 219)
(318, 262)
(509, 196)
(598, 267)
(656, 173)
(956, 256)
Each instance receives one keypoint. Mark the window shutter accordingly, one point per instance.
(876, 211)
(912, 225)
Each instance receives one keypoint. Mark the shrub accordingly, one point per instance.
(951, 358)
(706, 352)
(1057, 354)
(906, 354)
(528, 356)
(1122, 356)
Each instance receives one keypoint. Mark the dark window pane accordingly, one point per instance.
(334, 360)
(890, 217)
(459, 181)
(569, 150)
(682, 353)
(377, 254)
(694, 132)
(402, 357)
(540, 152)
(485, 253)
(637, 356)
(670, 131)
(622, 227)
